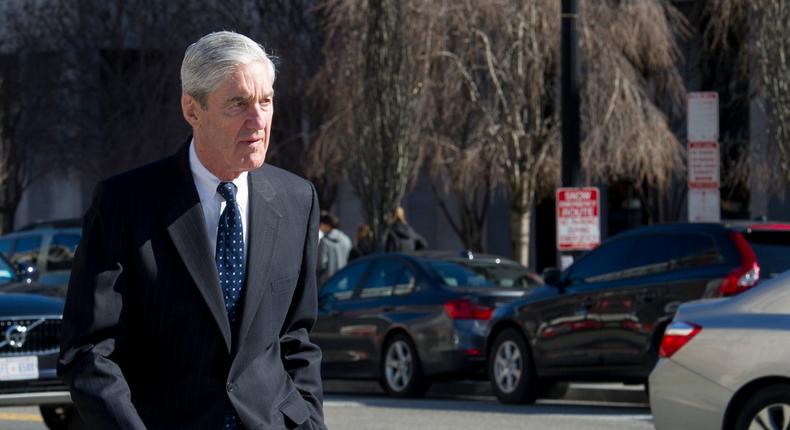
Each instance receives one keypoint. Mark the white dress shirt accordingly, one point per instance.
(213, 203)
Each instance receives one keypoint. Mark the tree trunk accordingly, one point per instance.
(520, 218)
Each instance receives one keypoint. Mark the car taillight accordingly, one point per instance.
(744, 277)
(465, 309)
(676, 336)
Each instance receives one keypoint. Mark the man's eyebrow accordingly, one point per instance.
(239, 99)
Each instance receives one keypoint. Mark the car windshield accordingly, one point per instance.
(6, 271)
(772, 249)
(477, 274)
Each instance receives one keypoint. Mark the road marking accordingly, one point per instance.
(10, 416)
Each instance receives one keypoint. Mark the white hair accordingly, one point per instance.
(209, 60)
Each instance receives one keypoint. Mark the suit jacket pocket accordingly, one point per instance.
(294, 410)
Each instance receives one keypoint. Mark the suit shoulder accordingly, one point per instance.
(140, 179)
(286, 181)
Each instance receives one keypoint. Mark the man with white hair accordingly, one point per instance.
(193, 291)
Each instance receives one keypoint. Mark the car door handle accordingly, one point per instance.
(334, 313)
(388, 308)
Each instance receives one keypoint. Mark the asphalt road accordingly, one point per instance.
(362, 405)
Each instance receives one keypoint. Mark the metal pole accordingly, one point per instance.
(571, 119)
(570, 116)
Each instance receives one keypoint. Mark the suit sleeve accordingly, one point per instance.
(92, 321)
(302, 358)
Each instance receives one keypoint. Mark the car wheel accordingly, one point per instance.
(62, 417)
(510, 369)
(401, 371)
(768, 409)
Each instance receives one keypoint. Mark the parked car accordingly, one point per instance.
(29, 344)
(726, 363)
(407, 319)
(48, 247)
(603, 317)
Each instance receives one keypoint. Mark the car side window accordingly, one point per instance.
(5, 247)
(697, 250)
(406, 283)
(653, 253)
(27, 249)
(342, 285)
(604, 263)
(61, 251)
(383, 280)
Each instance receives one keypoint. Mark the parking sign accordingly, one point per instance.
(578, 218)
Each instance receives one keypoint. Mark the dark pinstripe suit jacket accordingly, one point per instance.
(146, 341)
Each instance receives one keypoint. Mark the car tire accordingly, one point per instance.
(62, 417)
(510, 369)
(768, 409)
(401, 370)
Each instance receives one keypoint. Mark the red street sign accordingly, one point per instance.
(578, 218)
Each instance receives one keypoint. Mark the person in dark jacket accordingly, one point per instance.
(401, 237)
(364, 243)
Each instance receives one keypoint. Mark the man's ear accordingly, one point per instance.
(189, 107)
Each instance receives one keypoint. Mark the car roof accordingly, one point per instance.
(454, 256)
(728, 225)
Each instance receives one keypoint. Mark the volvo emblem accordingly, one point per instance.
(16, 335)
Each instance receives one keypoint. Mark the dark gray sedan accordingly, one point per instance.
(407, 319)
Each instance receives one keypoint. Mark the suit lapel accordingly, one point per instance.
(187, 228)
(264, 221)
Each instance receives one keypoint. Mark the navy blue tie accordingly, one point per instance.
(230, 266)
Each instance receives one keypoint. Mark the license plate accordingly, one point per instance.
(18, 368)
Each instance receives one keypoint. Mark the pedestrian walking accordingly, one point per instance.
(193, 291)
(333, 248)
(401, 237)
(364, 243)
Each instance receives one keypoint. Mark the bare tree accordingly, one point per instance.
(632, 89)
(758, 29)
(773, 49)
(28, 132)
(493, 117)
(374, 79)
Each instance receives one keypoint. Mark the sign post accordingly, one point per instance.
(704, 200)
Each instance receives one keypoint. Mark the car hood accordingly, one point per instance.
(26, 305)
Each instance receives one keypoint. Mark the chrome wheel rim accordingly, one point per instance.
(772, 417)
(399, 365)
(508, 365)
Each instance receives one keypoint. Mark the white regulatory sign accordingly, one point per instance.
(703, 165)
(704, 205)
(703, 117)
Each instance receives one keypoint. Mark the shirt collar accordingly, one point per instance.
(207, 183)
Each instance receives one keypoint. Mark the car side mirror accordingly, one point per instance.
(27, 271)
(553, 277)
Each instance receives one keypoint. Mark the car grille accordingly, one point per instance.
(42, 336)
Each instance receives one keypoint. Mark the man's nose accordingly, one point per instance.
(257, 116)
